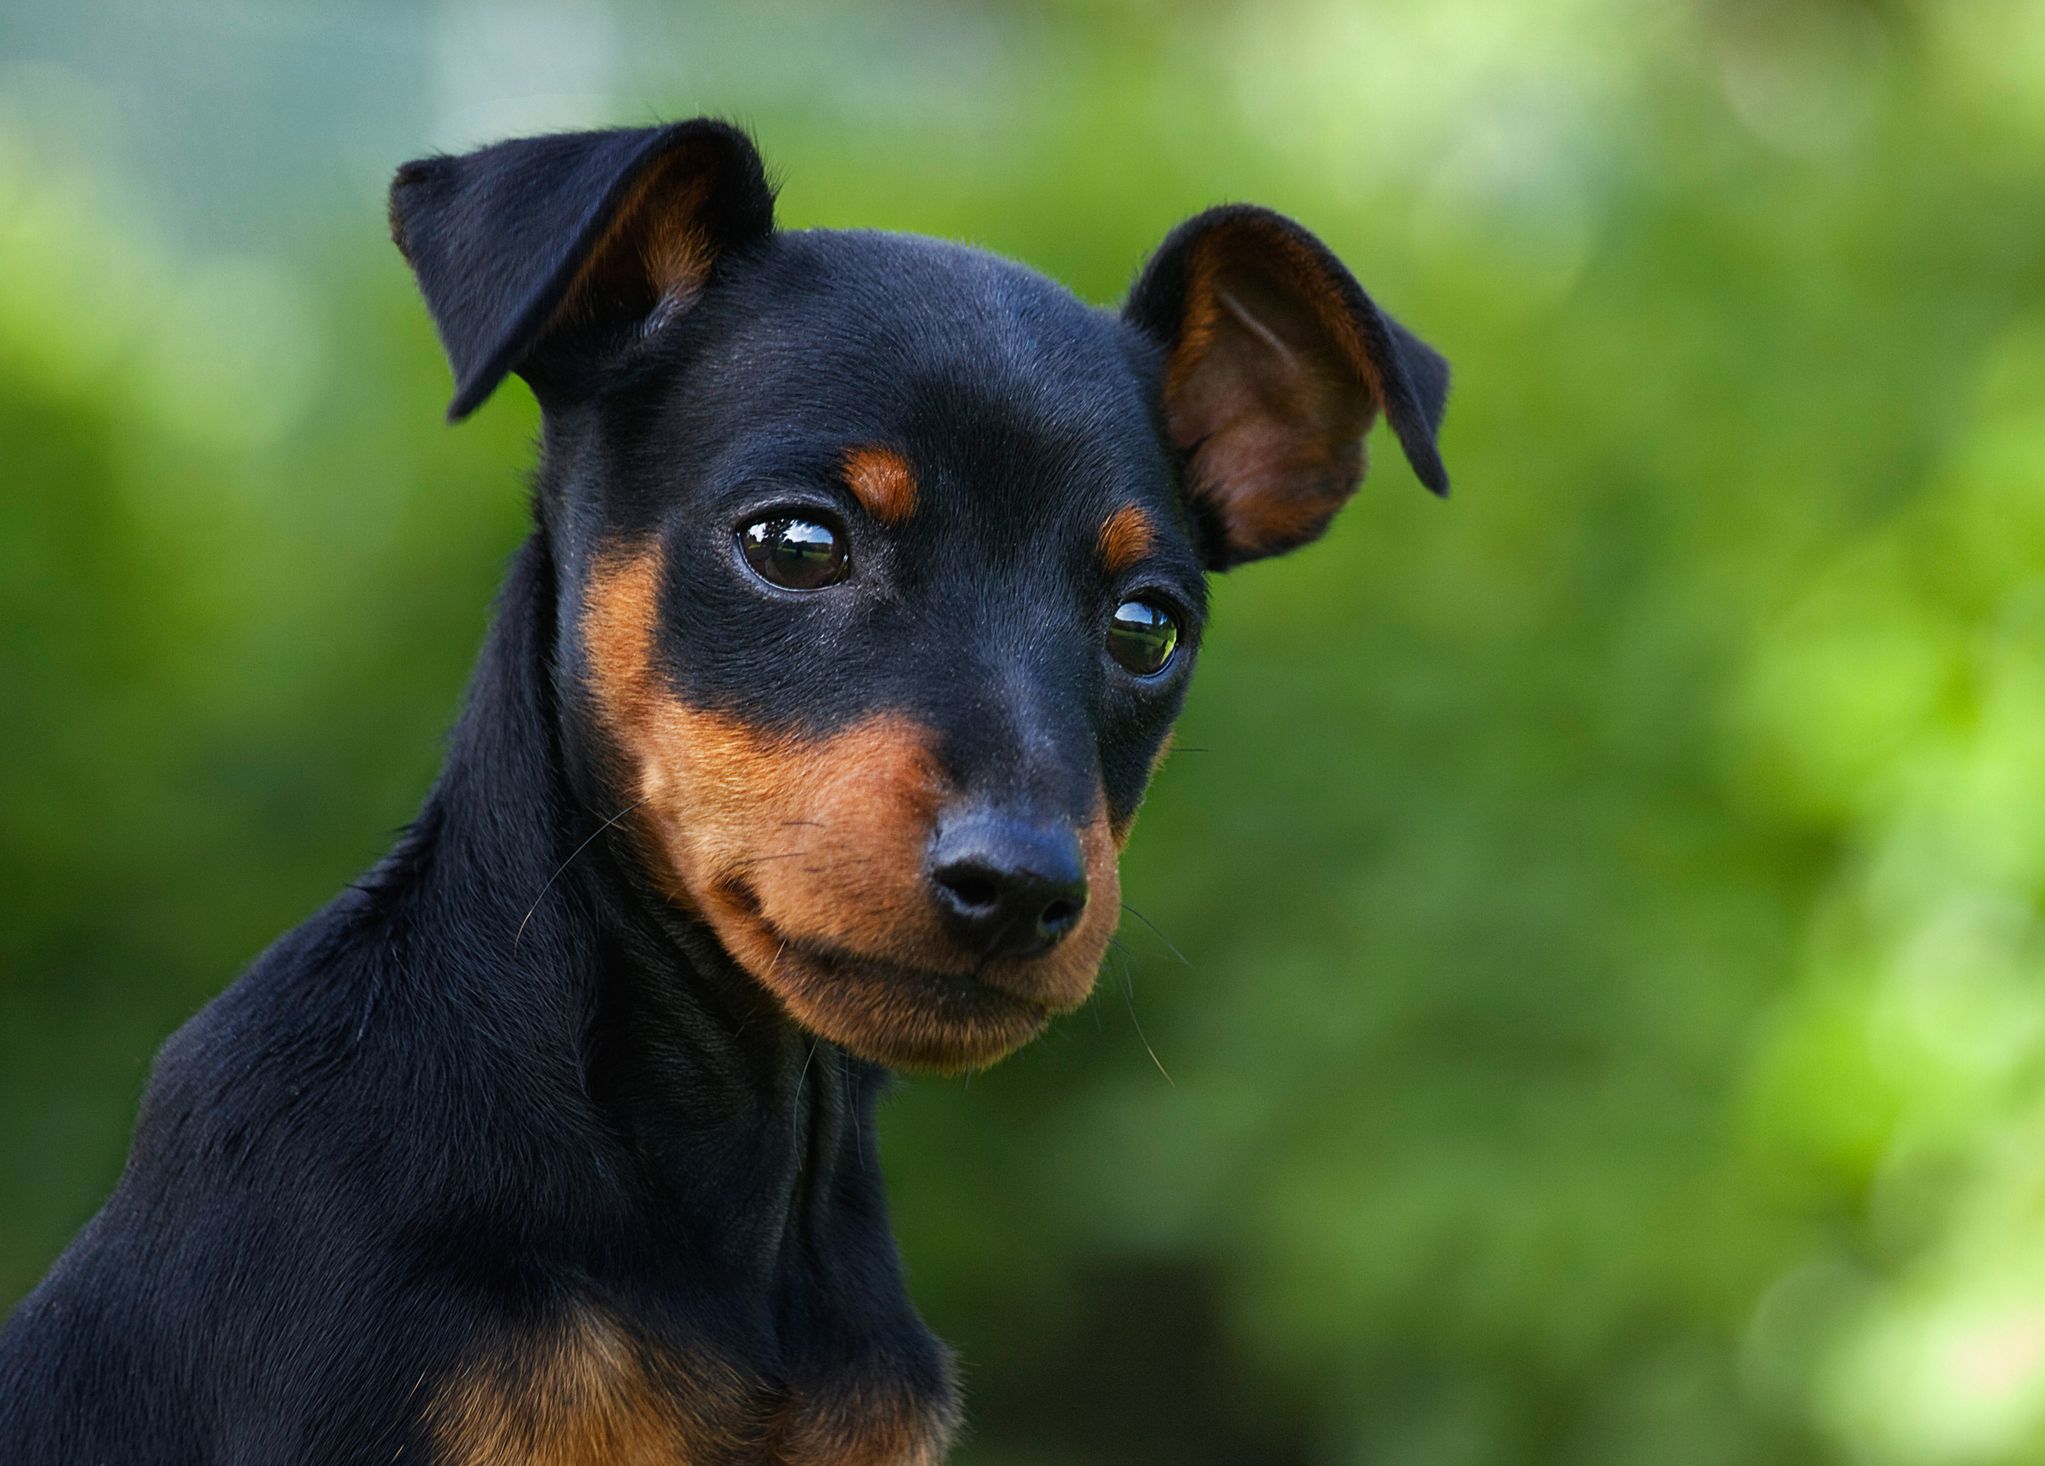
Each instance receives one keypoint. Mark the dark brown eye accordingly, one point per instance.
(1142, 637)
(796, 554)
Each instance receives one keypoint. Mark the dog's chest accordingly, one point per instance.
(591, 1393)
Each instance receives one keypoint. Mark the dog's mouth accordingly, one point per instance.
(882, 1008)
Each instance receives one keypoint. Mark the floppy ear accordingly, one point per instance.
(1276, 365)
(537, 256)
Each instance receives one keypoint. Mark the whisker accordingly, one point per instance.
(1129, 997)
(1120, 953)
(1157, 933)
(519, 935)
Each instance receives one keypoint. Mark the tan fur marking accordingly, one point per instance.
(587, 1394)
(874, 1425)
(806, 857)
(1126, 538)
(883, 482)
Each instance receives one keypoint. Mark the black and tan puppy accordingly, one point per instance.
(865, 584)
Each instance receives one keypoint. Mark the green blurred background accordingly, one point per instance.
(1612, 903)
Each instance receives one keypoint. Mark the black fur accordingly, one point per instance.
(504, 1073)
(496, 235)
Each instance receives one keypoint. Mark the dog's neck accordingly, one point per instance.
(633, 1132)
(723, 1135)
(738, 1124)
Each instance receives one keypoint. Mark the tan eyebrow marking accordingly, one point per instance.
(881, 479)
(1126, 538)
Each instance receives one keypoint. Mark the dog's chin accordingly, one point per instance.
(886, 1011)
(904, 1017)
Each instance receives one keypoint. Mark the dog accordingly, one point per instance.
(866, 576)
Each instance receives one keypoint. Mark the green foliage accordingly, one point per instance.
(1609, 1025)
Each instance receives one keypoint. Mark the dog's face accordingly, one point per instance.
(884, 559)
(890, 610)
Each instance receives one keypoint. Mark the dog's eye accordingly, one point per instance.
(1142, 637)
(796, 554)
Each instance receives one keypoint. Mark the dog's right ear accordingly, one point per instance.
(541, 255)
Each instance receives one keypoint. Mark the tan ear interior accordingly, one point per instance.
(654, 256)
(1269, 384)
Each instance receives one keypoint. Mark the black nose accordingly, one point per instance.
(1007, 887)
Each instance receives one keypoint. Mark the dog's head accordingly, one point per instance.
(883, 559)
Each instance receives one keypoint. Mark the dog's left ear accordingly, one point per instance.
(1276, 364)
(542, 255)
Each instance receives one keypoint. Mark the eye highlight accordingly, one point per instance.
(1142, 636)
(795, 554)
